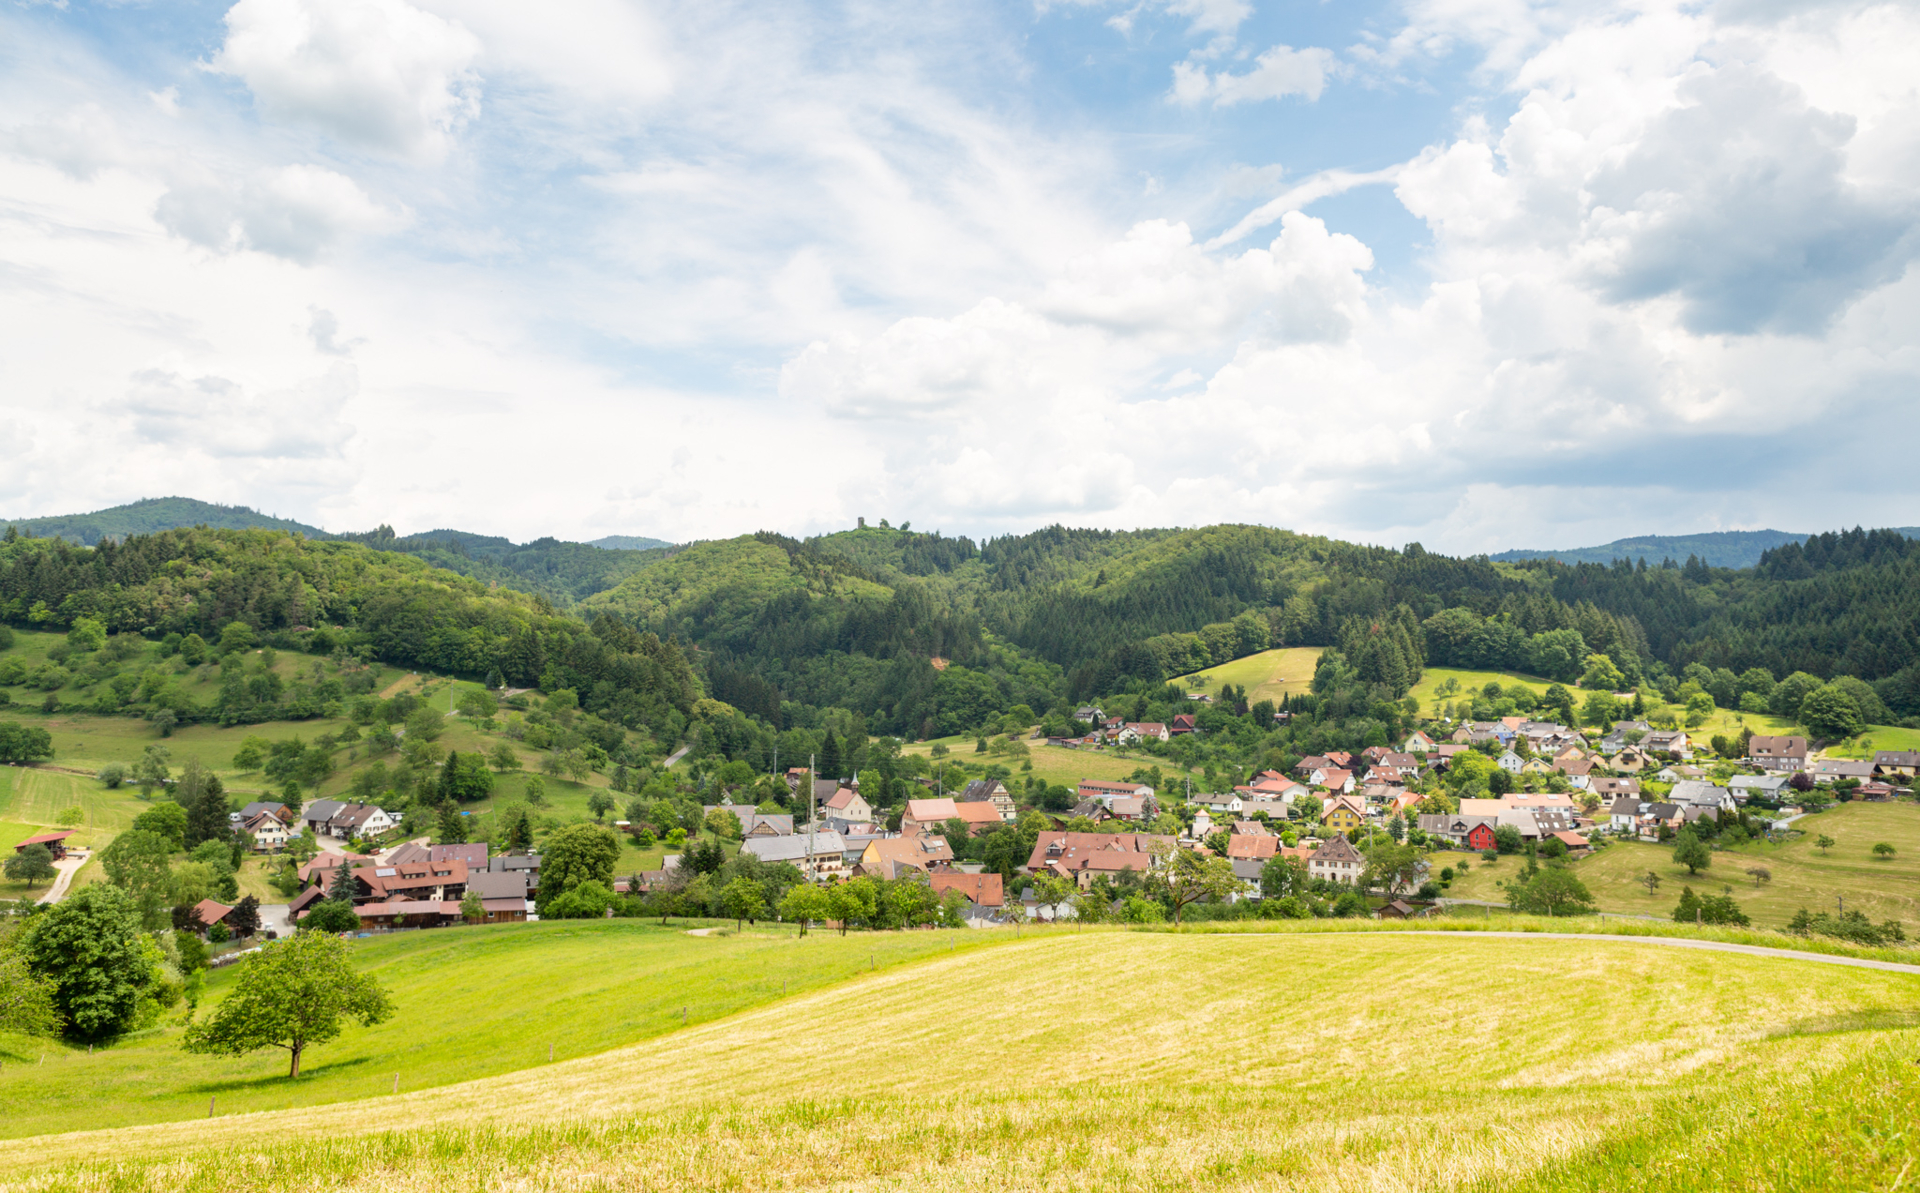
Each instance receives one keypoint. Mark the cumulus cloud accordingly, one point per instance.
(297, 212)
(80, 142)
(214, 416)
(1276, 74)
(378, 75)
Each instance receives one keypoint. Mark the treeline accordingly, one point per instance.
(561, 572)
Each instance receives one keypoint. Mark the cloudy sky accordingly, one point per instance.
(1480, 273)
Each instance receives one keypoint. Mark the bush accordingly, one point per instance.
(218, 934)
(1349, 905)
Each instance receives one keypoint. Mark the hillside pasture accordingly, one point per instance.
(1032, 1073)
(469, 1003)
(1267, 675)
(1802, 876)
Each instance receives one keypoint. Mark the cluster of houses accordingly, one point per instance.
(421, 886)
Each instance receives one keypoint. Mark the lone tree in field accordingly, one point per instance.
(1760, 875)
(743, 901)
(1191, 878)
(32, 865)
(1824, 842)
(1651, 882)
(804, 904)
(1690, 851)
(291, 994)
(1883, 851)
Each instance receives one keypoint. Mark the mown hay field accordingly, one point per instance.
(1267, 675)
(1151, 1061)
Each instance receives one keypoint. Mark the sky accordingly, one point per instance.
(1474, 273)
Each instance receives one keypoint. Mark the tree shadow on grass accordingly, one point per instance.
(280, 1080)
(1849, 1021)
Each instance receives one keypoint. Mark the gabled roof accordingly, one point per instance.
(209, 912)
(977, 813)
(932, 811)
(982, 890)
(1337, 849)
(841, 797)
(794, 848)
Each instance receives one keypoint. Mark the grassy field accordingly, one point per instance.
(1802, 875)
(470, 1003)
(1054, 764)
(1266, 676)
(1345, 1072)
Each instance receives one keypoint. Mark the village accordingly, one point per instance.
(1341, 834)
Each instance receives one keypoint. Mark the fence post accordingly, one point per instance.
(210, 1106)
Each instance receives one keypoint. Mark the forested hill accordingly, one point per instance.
(1721, 549)
(151, 515)
(562, 572)
(327, 596)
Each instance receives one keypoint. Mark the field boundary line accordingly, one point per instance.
(1678, 942)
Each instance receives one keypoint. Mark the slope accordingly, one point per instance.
(153, 514)
(1230, 1062)
(1720, 548)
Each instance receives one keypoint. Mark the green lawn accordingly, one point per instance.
(1802, 875)
(1266, 676)
(470, 1002)
(1093, 1061)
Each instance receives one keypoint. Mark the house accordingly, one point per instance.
(1311, 763)
(982, 890)
(1624, 814)
(1654, 817)
(1746, 787)
(1337, 861)
(816, 855)
(1075, 854)
(1270, 785)
(411, 880)
(1202, 826)
(927, 816)
(845, 803)
(1254, 846)
(1828, 769)
(302, 901)
(1510, 762)
(1617, 738)
(1693, 793)
(320, 870)
(1134, 808)
(1896, 762)
(1576, 844)
(1417, 743)
(207, 913)
(797, 775)
(1391, 776)
(1251, 828)
(1613, 788)
(1631, 759)
(316, 815)
(1668, 741)
(981, 817)
(891, 857)
(1465, 832)
(522, 863)
(503, 895)
(1537, 823)
(1524, 801)
(1537, 766)
(1579, 773)
(404, 912)
(1229, 803)
(56, 843)
(1106, 793)
(1343, 814)
(1771, 753)
(1399, 909)
(1091, 809)
(1334, 779)
(1875, 792)
(1144, 731)
(1182, 723)
(266, 829)
(280, 811)
(348, 821)
(1568, 753)
(989, 791)
(1089, 714)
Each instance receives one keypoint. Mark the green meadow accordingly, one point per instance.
(1267, 675)
(1104, 1060)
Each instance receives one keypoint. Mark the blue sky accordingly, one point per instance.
(1478, 273)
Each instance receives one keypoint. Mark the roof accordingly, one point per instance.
(1896, 758)
(977, 812)
(918, 853)
(208, 912)
(385, 880)
(499, 884)
(322, 809)
(1763, 745)
(474, 854)
(1337, 849)
(982, 890)
(932, 811)
(1070, 851)
(841, 797)
(1571, 839)
(45, 839)
(794, 848)
(979, 790)
(1251, 845)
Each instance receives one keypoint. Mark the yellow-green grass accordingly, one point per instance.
(34, 796)
(1470, 683)
(1802, 875)
(1878, 737)
(1053, 764)
(1268, 675)
(469, 1003)
(1154, 1061)
(12, 834)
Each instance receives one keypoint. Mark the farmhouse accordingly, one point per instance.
(1896, 762)
(926, 816)
(818, 855)
(1343, 814)
(1777, 753)
(982, 890)
(890, 857)
(1106, 793)
(503, 895)
(1071, 854)
(1337, 861)
(1465, 832)
(989, 791)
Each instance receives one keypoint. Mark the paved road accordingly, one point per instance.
(677, 755)
(1677, 942)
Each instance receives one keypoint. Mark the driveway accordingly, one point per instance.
(67, 866)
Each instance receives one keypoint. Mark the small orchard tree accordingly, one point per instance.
(32, 865)
(1883, 851)
(472, 909)
(1052, 891)
(1760, 875)
(1824, 842)
(742, 900)
(292, 994)
(1690, 851)
(805, 904)
(1190, 878)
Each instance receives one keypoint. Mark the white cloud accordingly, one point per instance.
(296, 212)
(1276, 74)
(379, 75)
(220, 418)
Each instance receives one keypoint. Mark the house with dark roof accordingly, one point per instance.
(1896, 762)
(988, 791)
(503, 895)
(1337, 861)
(1775, 753)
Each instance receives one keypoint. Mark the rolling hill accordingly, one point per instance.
(151, 515)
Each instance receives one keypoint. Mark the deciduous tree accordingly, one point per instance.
(88, 946)
(292, 994)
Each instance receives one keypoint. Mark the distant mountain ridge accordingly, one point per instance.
(628, 542)
(1720, 548)
(155, 514)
